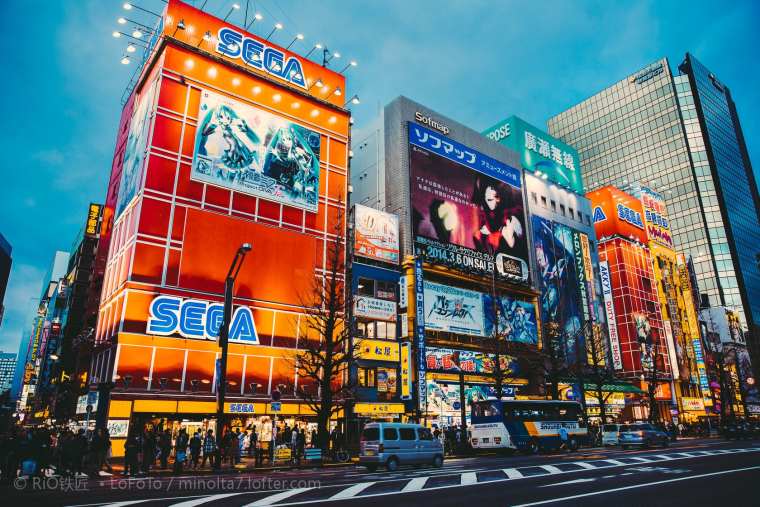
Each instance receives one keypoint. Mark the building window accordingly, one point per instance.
(543, 201)
(572, 213)
(366, 377)
(386, 330)
(386, 290)
(554, 206)
(562, 209)
(534, 197)
(366, 287)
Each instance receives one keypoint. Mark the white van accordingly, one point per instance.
(394, 444)
(610, 434)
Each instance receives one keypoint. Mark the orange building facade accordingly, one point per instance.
(229, 140)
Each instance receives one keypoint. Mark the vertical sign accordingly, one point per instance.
(406, 377)
(589, 270)
(580, 273)
(419, 332)
(609, 308)
(402, 291)
(704, 384)
(671, 348)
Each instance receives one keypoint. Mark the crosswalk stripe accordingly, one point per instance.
(687, 454)
(583, 464)
(512, 473)
(640, 459)
(551, 469)
(614, 461)
(276, 498)
(352, 491)
(663, 457)
(205, 499)
(415, 484)
(469, 478)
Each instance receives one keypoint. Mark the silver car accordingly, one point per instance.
(642, 435)
(394, 444)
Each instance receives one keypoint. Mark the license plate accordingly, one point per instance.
(369, 453)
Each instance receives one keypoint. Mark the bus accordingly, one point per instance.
(527, 425)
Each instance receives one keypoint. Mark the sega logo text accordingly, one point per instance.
(198, 319)
(254, 53)
(626, 214)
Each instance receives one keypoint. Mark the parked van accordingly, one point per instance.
(393, 444)
(610, 434)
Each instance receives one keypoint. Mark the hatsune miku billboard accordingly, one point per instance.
(246, 149)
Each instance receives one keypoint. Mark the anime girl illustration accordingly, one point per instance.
(229, 140)
(291, 162)
(500, 225)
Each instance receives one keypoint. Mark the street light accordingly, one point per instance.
(224, 330)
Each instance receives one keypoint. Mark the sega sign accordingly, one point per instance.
(633, 217)
(234, 44)
(193, 318)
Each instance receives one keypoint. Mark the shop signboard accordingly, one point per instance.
(241, 408)
(453, 309)
(374, 308)
(402, 291)
(467, 208)
(419, 331)
(386, 380)
(249, 150)
(468, 361)
(692, 404)
(378, 409)
(376, 234)
(616, 213)
(670, 341)
(539, 152)
(656, 217)
(377, 350)
(118, 428)
(704, 383)
(609, 309)
(406, 374)
(92, 227)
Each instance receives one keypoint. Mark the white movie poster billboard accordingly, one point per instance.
(246, 149)
(375, 234)
(453, 309)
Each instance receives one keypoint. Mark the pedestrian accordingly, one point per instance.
(300, 444)
(236, 443)
(148, 450)
(294, 441)
(209, 449)
(130, 455)
(180, 450)
(165, 445)
(313, 440)
(195, 445)
(252, 442)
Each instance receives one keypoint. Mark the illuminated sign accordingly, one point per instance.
(373, 308)
(430, 122)
(609, 307)
(93, 218)
(419, 331)
(234, 44)
(633, 217)
(693, 404)
(193, 318)
(453, 309)
(375, 234)
(599, 215)
(377, 350)
(406, 374)
(241, 408)
(379, 408)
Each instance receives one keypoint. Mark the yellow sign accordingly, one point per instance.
(92, 219)
(406, 376)
(283, 453)
(377, 350)
(693, 404)
(379, 408)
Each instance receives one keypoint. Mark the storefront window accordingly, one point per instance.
(386, 290)
(366, 377)
(366, 287)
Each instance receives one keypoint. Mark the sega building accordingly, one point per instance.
(374, 272)
(223, 141)
(469, 302)
(639, 347)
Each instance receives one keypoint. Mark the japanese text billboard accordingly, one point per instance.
(656, 217)
(246, 149)
(467, 208)
(453, 309)
(468, 361)
(375, 234)
(374, 308)
(539, 152)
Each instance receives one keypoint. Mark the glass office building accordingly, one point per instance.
(680, 134)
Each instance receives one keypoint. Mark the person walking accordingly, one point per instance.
(130, 455)
(195, 445)
(300, 444)
(148, 450)
(252, 442)
(165, 444)
(209, 449)
(294, 442)
(180, 450)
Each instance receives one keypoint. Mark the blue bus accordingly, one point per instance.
(527, 425)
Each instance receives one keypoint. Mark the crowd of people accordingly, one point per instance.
(453, 438)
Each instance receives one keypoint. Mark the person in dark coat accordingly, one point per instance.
(165, 444)
(131, 448)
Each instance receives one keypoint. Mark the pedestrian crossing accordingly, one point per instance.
(379, 484)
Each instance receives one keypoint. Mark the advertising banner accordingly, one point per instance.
(468, 361)
(539, 152)
(580, 273)
(467, 209)
(749, 386)
(419, 331)
(693, 404)
(671, 347)
(609, 309)
(92, 228)
(517, 319)
(406, 374)
(656, 217)
(375, 234)
(386, 380)
(374, 308)
(453, 309)
(136, 149)
(377, 350)
(616, 213)
(589, 271)
(246, 149)
(402, 291)
(704, 383)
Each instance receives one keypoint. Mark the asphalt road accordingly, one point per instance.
(691, 472)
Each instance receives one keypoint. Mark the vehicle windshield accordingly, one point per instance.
(610, 427)
(371, 433)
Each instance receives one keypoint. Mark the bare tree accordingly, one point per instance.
(325, 350)
(598, 368)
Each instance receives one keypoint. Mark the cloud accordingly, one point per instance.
(49, 157)
(24, 287)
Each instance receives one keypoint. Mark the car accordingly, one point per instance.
(738, 430)
(642, 435)
(394, 444)
(610, 434)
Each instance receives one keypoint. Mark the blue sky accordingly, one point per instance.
(474, 61)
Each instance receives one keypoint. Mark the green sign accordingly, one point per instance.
(540, 153)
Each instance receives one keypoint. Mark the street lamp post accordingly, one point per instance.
(224, 331)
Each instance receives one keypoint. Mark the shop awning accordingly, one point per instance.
(617, 386)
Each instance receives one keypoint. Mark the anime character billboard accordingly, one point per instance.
(135, 151)
(558, 280)
(467, 208)
(248, 150)
(517, 318)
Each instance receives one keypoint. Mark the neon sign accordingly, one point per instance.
(234, 44)
(626, 214)
(193, 318)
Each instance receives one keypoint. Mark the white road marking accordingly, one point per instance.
(352, 491)
(276, 498)
(583, 464)
(133, 502)
(641, 459)
(512, 473)
(614, 462)
(198, 501)
(575, 481)
(551, 469)
(415, 484)
(469, 478)
(636, 486)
